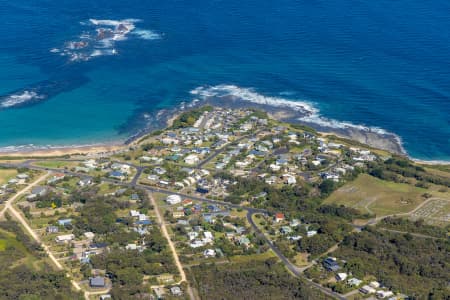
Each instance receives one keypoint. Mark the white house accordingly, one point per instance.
(367, 290)
(191, 159)
(311, 233)
(384, 294)
(209, 253)
(64, 238)
(341, 276)
(173, 199)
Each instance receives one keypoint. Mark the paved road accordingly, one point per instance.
(298, 272)
(218, 151)
(250, 212)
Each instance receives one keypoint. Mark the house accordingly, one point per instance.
(244, 241)
(289, 179)
(191, 159)
(183, 222)
(38, 191)
(192, 235)
(330, 264)
(55, 178)
(208, 236)
(131, 247)
(117, 175)
(178, 214)
(121, 167)
(354, 282)
(97, 282)
(279, 217)
(295, 238)
(311, 233)
(367, 290)
(52, 229)
(64, 238)
(173, 199)
(197, 244)
(294, 223)
(13, 181)
(375, 284)
(85, 182)
(134, 197)
(176, 291)
(64, 222)
(134, 213)
(286, 230)
(159, 171)
(89, 235)
(22, 176)
(384, 294)
(209, 253)
(187, 202)
(153, 177)
(271, 180)
(341, 276)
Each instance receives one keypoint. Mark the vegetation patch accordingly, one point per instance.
(252, 280)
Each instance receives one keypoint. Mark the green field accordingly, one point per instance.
(376, 196)
(56, 164)
(6, 175)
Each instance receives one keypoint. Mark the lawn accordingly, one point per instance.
(6, 175)
(372, 195)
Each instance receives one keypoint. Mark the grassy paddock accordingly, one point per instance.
(6, 175)
(372, 195)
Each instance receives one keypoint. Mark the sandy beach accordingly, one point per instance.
(52, 152)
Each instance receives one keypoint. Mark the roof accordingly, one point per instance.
(38, 189)
(97, 281)
(279, 215)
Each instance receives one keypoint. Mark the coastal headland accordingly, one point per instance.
(283, 112)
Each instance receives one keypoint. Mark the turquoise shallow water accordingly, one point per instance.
(381, 64)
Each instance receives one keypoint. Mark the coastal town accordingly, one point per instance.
(223, 187)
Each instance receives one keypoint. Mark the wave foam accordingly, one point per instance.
(113, 23)
(147, 34)
(104, 36)
(310, 114)
(18, 99)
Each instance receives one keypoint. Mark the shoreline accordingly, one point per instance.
(285, 113)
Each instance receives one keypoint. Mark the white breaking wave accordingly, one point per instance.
(18, 99)
(147, 34)
(98, 52)
(113, 23)
(310, 113)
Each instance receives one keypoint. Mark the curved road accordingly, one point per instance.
(250, 212)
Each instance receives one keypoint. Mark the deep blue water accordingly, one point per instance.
(379, 63)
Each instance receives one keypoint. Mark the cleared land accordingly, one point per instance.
(434, 212)
(376, 196)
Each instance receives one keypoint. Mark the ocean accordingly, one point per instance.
(84, 72)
